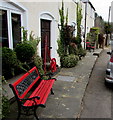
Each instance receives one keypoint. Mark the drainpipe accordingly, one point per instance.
(85, 25)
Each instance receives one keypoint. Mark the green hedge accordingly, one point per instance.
(38, 63)
(9, 61)
(69, 61)
(81, 52)
(24, 52)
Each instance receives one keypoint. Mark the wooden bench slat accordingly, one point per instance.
(50, 84)
(38, 89)
(42, 91)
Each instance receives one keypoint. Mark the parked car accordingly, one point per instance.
(109, 70)
(111, 36)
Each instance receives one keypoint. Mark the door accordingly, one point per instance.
(45, 40)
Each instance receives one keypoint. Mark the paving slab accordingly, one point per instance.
(65, 78)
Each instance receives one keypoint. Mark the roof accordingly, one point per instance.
(87, 1)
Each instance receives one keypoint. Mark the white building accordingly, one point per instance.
(42, 18)
(112, 23)
(112, 11)
(88, 20)
(38, 16)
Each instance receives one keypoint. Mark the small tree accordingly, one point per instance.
(33, 41)
(61, 43)
(79, 19)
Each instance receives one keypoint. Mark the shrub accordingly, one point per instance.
(24, 52)
(5, 102)
(73, 49)
(9, 59)
(81, 52)
(34, 41)
(38, 63)
(5, 106)
(69, 61)
(11, 65)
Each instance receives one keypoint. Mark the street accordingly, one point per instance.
(70, 89)
(98, 99)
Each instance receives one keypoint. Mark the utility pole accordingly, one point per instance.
(109, 15)
(108, 25)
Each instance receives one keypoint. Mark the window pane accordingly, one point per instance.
(16, 28)
(3, 29)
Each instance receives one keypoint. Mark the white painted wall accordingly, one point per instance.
(112, 11)
(33, 11)
(48, 10)
(90, 18)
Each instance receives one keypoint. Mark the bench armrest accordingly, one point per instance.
(30, 98)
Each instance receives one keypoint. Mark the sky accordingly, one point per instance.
(102, 7)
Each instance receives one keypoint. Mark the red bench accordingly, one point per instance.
(90, 46)
(37, 98)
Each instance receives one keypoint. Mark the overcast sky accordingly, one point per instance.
(102, 7)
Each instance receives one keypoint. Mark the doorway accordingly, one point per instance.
(45, 40)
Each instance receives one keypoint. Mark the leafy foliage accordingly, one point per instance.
(38, 62)
(69, 61)
(11, 63)
(61, 44)
(24, 52)
(81, 52)
(5, 101)
(24, 34)
(28, 45)
(107, 28)
(9, 59)
(67, 44)
(79, 19)
(23, 57)
(60, 48)
(92, 36)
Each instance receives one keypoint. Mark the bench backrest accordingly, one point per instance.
(22, 86)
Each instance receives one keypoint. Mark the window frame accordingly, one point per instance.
(9, 23)
(21, 16)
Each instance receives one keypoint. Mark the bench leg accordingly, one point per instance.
(19, 112)
(52, 91)
(35, 114)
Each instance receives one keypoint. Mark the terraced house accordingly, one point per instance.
(112, 11)
(41, 17)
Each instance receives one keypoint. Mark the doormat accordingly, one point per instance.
(66, 78)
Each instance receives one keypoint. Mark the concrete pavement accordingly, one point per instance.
(97, 101)
(69, 91)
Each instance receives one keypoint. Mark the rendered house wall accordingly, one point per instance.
(48, 11)
(112, 11)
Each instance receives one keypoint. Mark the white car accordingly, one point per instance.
(109, 70)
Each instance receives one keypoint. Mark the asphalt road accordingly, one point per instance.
(98, 99)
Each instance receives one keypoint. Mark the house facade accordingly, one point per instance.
(88, 20)
(40, 17)
(112, 11)
(43, 19)
(12, 17)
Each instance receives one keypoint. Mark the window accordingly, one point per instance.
(10, 27)
(16, 28)
(3, 29)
